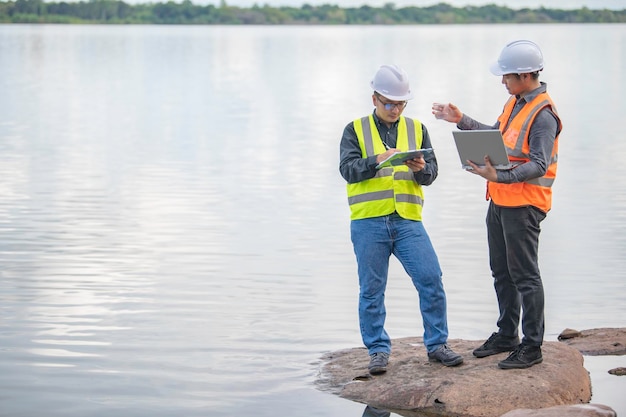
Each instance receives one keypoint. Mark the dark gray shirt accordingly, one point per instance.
(354, 168)
(541, 137)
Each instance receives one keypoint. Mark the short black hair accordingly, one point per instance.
(534, 75)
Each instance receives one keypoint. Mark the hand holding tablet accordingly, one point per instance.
(400, 158)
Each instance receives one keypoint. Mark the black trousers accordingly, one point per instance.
(513, 237)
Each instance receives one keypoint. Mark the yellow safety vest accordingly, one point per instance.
(393, 188)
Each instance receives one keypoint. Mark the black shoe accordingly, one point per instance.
(496, 344)
(524, 356)
(446, 356)
(378, 363)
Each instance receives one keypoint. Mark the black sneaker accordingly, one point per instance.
(378, 363)
(496, 344)
(524, 356)
(446, 356)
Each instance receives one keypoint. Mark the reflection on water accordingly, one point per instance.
(174, 230)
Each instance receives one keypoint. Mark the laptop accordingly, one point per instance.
(475, 144)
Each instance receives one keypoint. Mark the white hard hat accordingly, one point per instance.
(518, 57)
(390, 81)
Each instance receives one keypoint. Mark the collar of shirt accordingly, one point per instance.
(389, 135)
(531, 96)
(521, 102)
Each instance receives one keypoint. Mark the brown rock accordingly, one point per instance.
(586, 410)
(594, 342)
(569, 334)
(477, 388)
(618, 371)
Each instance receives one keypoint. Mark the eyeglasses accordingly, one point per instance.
(390, 106)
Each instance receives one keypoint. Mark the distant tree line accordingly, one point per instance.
(118, 12)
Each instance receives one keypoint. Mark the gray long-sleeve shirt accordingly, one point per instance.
(354, 168)
(541, 138)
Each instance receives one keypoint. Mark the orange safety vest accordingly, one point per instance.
(535, 192)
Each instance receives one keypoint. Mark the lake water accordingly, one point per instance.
(174, 231)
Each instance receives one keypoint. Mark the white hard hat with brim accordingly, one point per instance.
(518, 57)
(392, 82)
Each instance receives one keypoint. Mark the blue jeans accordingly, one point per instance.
(513, 236)
(374, 240)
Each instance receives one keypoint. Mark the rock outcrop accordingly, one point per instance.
(595, 342)
(583, 410)
(414, 386)
(618, 371)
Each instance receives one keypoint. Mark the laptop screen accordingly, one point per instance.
(473, 145)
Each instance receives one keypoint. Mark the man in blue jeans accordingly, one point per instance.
(386, 217)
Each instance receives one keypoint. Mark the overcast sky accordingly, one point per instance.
(514, 4)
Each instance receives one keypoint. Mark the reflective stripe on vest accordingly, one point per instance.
(537, 191)
(392, 188)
